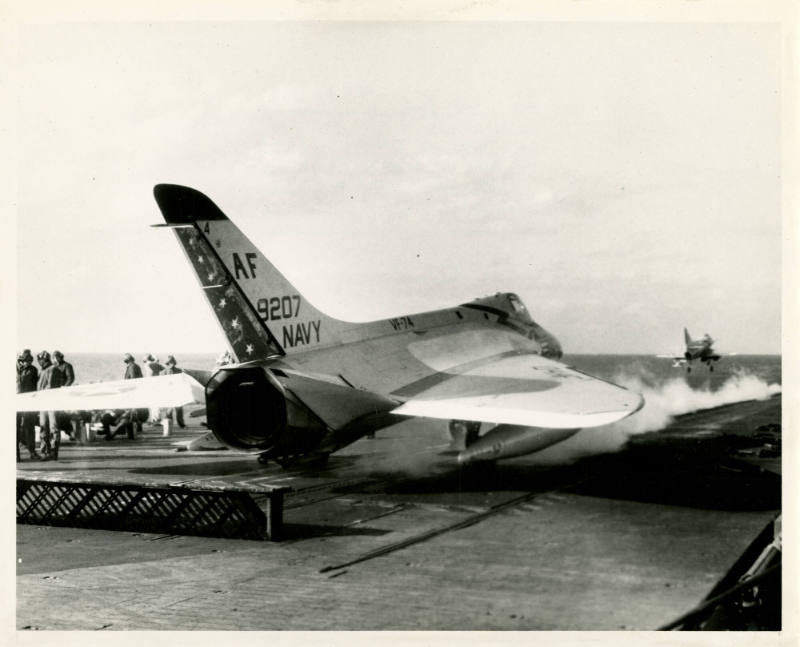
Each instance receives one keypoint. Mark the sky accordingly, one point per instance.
(624, 179)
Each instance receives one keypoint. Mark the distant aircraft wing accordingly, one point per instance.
(521, 389)
(160, 391)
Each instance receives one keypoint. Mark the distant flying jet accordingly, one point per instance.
(696, 349)
(306, 385)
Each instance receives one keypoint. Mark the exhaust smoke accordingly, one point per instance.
(664, 400)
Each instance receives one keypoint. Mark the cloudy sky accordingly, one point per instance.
(623, 178)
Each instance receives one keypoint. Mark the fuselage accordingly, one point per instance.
(421, 345)
(389, 362)
(701, 349)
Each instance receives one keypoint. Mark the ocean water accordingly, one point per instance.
(104, 367)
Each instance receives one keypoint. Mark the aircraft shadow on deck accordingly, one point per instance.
(698, 474)
(680, 479)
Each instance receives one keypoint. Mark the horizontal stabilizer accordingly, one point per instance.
(159, 391)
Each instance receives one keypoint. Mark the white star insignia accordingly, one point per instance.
(235, 322)
(201, 260)
(192, 242)
(210, 275)
(249, 349)
(222, 303)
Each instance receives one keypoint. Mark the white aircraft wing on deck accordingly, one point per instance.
(159, 391)
(523, 389)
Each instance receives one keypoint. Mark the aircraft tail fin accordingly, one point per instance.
(687, 337)
(259, 310)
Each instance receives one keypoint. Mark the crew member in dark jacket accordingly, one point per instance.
(172, 369)
(132, 371)
(67, 379)
(27, 378)
(65, 368)
(49, 378)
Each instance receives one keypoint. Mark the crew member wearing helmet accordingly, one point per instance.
(27, 378)
(152, 367)
(67, 379)
(132, 371)
(172, 369)
(63, 367)
(49, 378)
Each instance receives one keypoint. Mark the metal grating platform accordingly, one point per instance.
(187, 509)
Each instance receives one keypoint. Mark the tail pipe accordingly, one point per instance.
(246, 408)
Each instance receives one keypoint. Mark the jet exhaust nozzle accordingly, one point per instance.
(246, 407)
(249, 409)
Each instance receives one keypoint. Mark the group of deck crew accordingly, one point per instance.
(55, 372)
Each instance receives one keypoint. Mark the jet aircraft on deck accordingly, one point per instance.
(306, 384)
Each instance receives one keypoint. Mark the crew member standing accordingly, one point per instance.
(49, 378)
(67, 379)
(152, 367)
(19, 413)
(27, 378)
(172, 369)
(132, 371)
(63, 367)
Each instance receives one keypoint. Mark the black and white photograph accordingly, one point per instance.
(330, 318)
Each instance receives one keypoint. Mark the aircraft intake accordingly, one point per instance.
(246, 408)
(507, 441)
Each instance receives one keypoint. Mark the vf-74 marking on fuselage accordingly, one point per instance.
(401, 323)
(308, 384)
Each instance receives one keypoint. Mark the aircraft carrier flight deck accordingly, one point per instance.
(391, 535)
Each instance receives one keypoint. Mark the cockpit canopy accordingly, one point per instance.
(518, 317)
